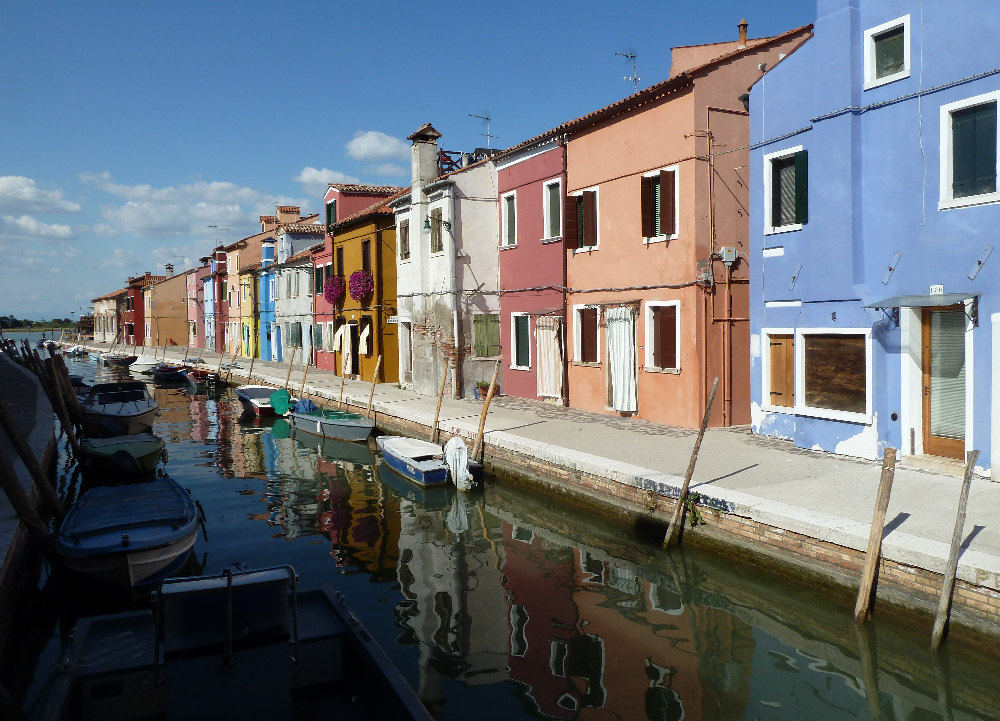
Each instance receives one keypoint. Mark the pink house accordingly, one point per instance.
(196, 304)
(656, 238)
(532, 323)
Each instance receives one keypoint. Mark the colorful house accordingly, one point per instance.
(293, 303)
(134, 317)
(109, 310)
(196, 304)
(270, 331)
(875, 307)
(216, 306)
(249, 310)
(447, 270)
(532, 276)
(655, 230)
(356, 331)
(167, 317)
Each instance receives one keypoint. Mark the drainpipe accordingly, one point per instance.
(564, 144)
(453, 262)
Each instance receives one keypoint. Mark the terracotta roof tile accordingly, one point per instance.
(379, 208)
(366, 189)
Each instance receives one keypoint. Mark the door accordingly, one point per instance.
(943, 375)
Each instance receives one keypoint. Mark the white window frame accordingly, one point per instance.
(769, 158)
(869, 52)
(597, 218)
(677, 195)
(578, 335)
(648, 350)
(800, 378)
(547, 210)
(947, 200)
(504, 199)
(513, 341)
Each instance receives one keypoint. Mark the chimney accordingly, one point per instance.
(424, 163)
(268, 222)
(288, 213)
(170, 270)
(743, 33)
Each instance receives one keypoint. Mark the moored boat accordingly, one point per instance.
(122, 408)
(104, 454)
(129, 536)
(420, 461)
(341, 425)
(168, 373)
(256, 399)
(118, 360)
(144, 363)
(200, 376)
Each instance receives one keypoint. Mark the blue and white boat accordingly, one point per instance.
(425, 463)
(340, 425)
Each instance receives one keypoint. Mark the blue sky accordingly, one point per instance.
(128, 128)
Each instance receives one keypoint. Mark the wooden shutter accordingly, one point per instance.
(492, 335)
(555, 209)
(521, 341)
(782, 358)
(509, 221)
(479, 334)
(668, 210)
(318, 279)
(665, 336)
(436, 244)
(366, 255)
(589, 218)
(340, 262)
(974, 144)
(802, 187)
(588, 335)
(570, 230)
(648, 205)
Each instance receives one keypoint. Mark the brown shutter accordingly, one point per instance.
(589, 218)
(668, 212)
(588, 335)
(570, 238)
(782, 390)
(646, 199)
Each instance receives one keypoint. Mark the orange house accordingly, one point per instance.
(656, 233)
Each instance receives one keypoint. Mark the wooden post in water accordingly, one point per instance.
(30, 462)
(233, 361)
(862, 609)
(677, 519)
(867, 654)
(435, 431)
(371, 393)
(62, 371)
(218, 370)
(305, 371)
(951, 567)
(477, 448)
(290, 361)
(250, 373)
(186, 349)
(56, 399)
(340, 402)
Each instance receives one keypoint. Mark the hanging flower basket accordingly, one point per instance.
(333, 289)
(361, 284)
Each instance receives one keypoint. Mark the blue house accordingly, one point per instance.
(875, 302)
(270, 331)
(208, 287)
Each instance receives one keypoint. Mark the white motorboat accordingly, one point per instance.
(118, 409)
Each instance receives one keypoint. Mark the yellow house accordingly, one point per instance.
(249, 311)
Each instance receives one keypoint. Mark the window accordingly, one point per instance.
(329, 335)
(296, 274)
(662, 335)
(969, 151)
(331, 214)
(659, 205)
(329, 272)
(508, 220)
(887, 52)
(404, 240)
(288, 285)
(366, 255)
(436, 243)
(318, 279)
(521, 346)
(340, 262)
(317, 336)
(552, 208)
(486, 335)
(585, 335)
(786, 190)
(580, 221)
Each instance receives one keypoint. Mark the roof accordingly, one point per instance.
(108, 296)
(250, 269)
(653, 92)
(366, 189)
(379, 208)
(315, 227)
(302, 255)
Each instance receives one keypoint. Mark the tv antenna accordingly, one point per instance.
(489, 120)
(634, 77)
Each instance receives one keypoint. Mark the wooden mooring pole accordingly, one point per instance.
(435, 431)
(290, 361)
(305, 372)
(677, 519)
(477, 448)
(30, 462)
(371, 393)
(862, 609)
(951, 567)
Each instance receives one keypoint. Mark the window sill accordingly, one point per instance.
(519, 368)
(821, 413)
(969, 200)
(877, 83)
(667, 371)
(783, 229)
(659, 239)
(584, 250)
(554, 239)
(582, 364)
(507, 246)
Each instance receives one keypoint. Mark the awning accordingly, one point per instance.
(924, 301)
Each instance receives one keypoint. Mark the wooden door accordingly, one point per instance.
(943, 376)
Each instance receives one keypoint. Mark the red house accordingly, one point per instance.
(134, 331)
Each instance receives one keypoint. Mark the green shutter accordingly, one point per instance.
(318, 279)
(889, 52)
(974, 150)
(647, 203)
(493, 335)
(555, 211)
(521, 341)
(802, 187)
(479, 334)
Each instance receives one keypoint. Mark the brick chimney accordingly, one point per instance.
(743, 33)
(288, 214)
(170, 270)
(268, 222)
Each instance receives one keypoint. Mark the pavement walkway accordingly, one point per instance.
(819, 495)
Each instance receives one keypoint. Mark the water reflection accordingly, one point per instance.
(503, 606)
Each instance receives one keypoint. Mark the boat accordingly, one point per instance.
(243, 644)
(203, 376)
(122, 408)
(421, 462)
(118, 360)
(331, 449)
(129, 536)
(144, 363)
(168, 373)
(429, 497)
(340, 425)
(124, 457)
(256, 399)
(76, 351)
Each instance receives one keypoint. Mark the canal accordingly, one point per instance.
(501, 605)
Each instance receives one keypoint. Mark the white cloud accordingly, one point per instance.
(315, 182)
(372, 145)
(20, 194)
(27, 227)
(397, 171)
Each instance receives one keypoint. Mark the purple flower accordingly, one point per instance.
(333, 289)
(361, 284)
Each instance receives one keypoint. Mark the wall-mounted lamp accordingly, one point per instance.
(445, 223)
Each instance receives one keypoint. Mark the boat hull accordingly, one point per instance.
(255, 399)
(98, 423)
(427, 473)
(145, 448)
(351, 427)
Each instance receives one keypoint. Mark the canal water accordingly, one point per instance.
(501, 605)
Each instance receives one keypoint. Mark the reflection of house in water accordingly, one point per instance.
(172, 417)
(204, 418)
(454, 604)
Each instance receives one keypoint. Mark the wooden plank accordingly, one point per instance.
(862, 609)
(676, 521)
(951, 567)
